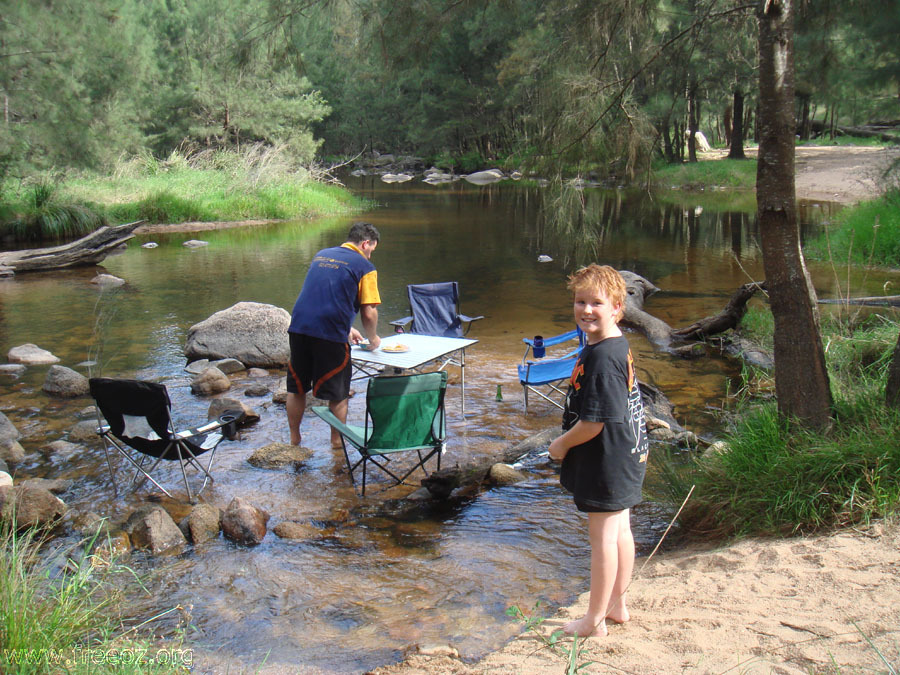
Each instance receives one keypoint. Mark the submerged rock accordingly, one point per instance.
(279, 455)
(152, 528)
(244, 523)
(31, 355)
(210, 381)
(203, 523)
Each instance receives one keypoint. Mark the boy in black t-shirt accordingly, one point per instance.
(604, 448)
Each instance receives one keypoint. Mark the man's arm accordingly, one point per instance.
(368, 314)
(580, 433)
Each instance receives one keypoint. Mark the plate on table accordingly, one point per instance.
(395, 349)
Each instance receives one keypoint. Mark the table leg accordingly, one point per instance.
(462, 380)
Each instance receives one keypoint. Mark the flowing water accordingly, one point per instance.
(375, 577)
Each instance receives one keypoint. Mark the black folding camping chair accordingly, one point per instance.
(434, 310)
(139, 427)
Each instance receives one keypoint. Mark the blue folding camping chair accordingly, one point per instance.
(546, 376)
(435, 311)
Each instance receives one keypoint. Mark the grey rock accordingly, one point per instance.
(31, 355)
(8, 431)
(257, 390)
(150, 244)
(484, 177)
(228, 366)
(244, 523)
(296, 531)
(5, 479)
(61, 449)
(11, 453)
(55, 485)
(257, 372)
(253, 333)
(12, 369)
(195, 243)
(280, 394)
(107, 281)
(83, 432)
(504, 474)
(279, 455)
(210, 381)
(65, 383)
(31, 506)
(197, 367)
(152, 528)
(203, 523)
(4, 466)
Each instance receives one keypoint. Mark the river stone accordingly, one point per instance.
(61, 449)
(12, 369)
(65, 382)
(107, 281)
(32, 506)
(296, 531)
(257, 372)
(485, 177)
(8, 431)
(4, 466)
(5, 479)
(257, 391)
(197, 367)
(83, 432)
(279, 455)
(11, 453)
(88, 413)
(244, 523)
(253, 333)
(219, 406)
(504, 474)
(195, 243)
(31, 355)
(151, 527)
(228, 366)
(281, 393)
(210, 381)
(55, 485)
(202, 524)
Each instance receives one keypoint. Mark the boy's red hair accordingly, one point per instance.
(601, 278)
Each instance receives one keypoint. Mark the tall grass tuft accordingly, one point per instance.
(776, 479)
(42, 218)
(55, 607)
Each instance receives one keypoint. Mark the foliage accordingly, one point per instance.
(532, 624)
(775, 478)
(56, 607)
(40, 217)
(732, 173)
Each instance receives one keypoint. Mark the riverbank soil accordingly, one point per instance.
(786, 606)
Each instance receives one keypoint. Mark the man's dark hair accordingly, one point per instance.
(360, 232)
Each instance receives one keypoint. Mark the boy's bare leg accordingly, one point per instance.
(295, 406)
(617, 610)
(339, 410)
(603, 532)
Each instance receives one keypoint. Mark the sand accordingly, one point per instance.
(822, 604)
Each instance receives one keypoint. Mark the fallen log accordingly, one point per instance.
(729, 317)
(89, 250)
(878, 300)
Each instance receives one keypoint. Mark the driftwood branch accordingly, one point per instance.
(89, 250)
(729, 317)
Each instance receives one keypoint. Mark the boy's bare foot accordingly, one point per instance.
(618, 615)
(585, 627)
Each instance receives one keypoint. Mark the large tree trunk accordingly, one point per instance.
(736, 147)
(801, 379)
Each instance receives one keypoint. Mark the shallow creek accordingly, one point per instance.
(376, 577)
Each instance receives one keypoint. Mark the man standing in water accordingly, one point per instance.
(341, 282)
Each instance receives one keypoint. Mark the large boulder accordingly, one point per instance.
(31, 355)
(30, 506)
(244, 523)
(253, 333)
(152, 528)
(65, 383)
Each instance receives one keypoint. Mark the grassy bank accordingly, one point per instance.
(772, 479)
(867, 234)
(256, 183)
(721, 173)
(58, 609)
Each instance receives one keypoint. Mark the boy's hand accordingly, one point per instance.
(557, 450)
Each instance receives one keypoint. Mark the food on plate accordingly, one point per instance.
(395, 348)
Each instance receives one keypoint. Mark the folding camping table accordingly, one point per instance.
(423, 349)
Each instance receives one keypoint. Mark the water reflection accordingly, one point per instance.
(374, 577)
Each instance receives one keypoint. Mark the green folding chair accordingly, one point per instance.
(403, 413)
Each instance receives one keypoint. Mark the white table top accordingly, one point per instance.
(422, 349)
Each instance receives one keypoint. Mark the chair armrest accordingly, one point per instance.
(401, 323)
(470, 320)
(350, 433)
(227, 421)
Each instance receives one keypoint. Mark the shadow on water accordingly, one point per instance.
(374, 575)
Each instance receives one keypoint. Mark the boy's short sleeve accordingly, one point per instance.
(368, 289)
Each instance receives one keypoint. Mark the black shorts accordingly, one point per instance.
(320, 367)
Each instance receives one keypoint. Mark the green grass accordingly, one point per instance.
(846, 141)
(57, 611)
(777, 480)
(727, 173)
(868, 233)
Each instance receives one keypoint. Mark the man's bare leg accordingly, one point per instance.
(617, 611)
(296, 406)
(339, 410)
(603, 532)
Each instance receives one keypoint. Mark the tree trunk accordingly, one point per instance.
(892, 388)
(801, 379)
(728, 124)
(804, 118)
(736, 148)
(692, 125)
